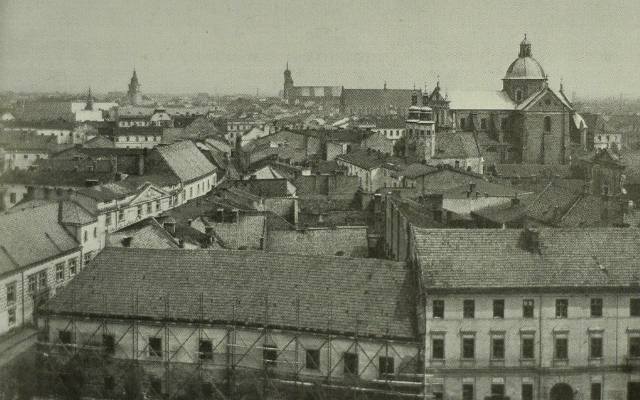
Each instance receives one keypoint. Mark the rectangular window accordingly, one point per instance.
(139, 211)
(527, 308)
(350, 364)
(596, 308)
(386, 366)
(60, 272)
(467, 391)
(108, 344)
(312, 359)
(12, 198)
(634, 347)
(468, 309)
(561, 351)
(462, 121)
(73, 266)
(205, 349)
(270, 354)
(437, 349)
(498, 308)
(634, 307)
(562, 308)
(595, 347)
(120, 216)
(468, 348)
(158, 205)
(497, 348)
(42, 279)
(438, 309)
(528, 347)
(497, 389)
(149, 208)
(155, 347)
(596, 391)
(32, 283)
(11, 316)
(64, 337)
(483, 123)
(11, 293)
(108, 219)
(527, 391)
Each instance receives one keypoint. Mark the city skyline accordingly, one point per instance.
(225, 48)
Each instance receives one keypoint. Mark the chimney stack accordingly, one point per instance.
(531, 240)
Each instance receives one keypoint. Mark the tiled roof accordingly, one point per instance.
(482, 188)
(417, 214)
(44, 111)
(46, 177)
(350, 241)
(338, 294)
(415, 170)
(492, 259)
(260, 187)
(369, 159)
(69, 211)
(461, 145)
(326, 185)
(376, 97)
(480, 100)
(146, 234)
(27, 142)
(32, 235)
(531, 170)
(186, 161)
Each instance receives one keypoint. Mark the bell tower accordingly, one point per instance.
(287, 92)
(134, 95)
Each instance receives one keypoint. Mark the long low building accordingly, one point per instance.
(332, 320)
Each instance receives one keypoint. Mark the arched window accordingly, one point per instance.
(547, 124)
(518, 95)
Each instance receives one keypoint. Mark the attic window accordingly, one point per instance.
(518, 95)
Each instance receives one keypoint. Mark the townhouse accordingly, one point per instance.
(38, 255)
(530, 314)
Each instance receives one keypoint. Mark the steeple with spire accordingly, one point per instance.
(134, 95)
(89, 105)
(287, 92)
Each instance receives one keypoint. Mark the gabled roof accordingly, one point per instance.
(146, 234)
(44, 111)
(498, 259)
(535, 97)
(323, 294)
(461, 145)
(186, 161)
(261, 187)
(480, 100)
(31, 236)
(27, 142)
(350, 241)
(367, 159)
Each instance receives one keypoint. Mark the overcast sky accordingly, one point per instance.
(242, 46)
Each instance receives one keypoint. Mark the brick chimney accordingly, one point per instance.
(530, 240)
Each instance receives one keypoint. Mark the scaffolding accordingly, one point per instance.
(240, 360)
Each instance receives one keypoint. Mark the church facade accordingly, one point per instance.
(525, 122)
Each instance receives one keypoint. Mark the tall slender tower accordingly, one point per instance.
(288, 86)
(134, 95)
(89, 105)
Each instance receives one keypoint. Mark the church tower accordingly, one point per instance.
(288, 86)
(134, 95)
(525, 75)
(89, 105)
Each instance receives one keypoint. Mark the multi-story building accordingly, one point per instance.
(21, 150)
(39, 255)
(526, 314)
(346, 323)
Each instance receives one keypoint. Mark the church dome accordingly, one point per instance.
(525, 66)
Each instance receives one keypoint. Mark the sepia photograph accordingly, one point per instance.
(319, 200)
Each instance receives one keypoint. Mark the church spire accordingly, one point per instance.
(525, 48)
(89, 105)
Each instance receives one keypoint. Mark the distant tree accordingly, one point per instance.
(398, 147)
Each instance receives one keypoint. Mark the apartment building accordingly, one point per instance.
(526, 314)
